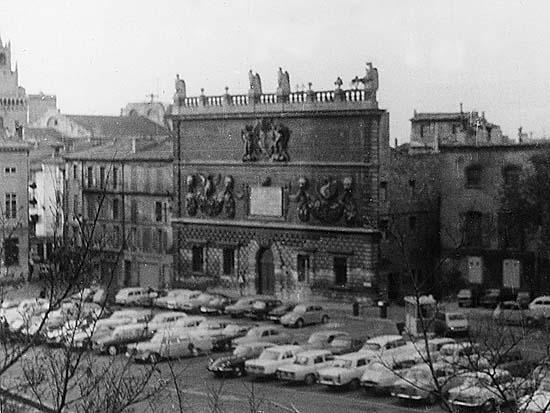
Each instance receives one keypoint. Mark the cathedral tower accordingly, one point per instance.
(13, 100)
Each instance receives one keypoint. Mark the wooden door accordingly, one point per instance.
(265, 278)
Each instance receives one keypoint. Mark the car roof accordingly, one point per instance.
(264, 344)
(194, 318)
(384, 339)
(544, 297)
(286, 347)
(313, 353)
(353, 356)
(170, 313)
(329, 333)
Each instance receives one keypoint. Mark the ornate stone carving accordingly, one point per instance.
(191, 204)
(283, 85)
(370, 82)
(180, 95)
(255, 84)
(266, 139)
(330, 205)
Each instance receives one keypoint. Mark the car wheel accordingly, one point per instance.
(324, 320)
(309, 379)
(490, 406)
(354, 384)
(299, 323)
(154, 358)
(113, 351)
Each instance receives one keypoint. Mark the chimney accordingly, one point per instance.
(461, 111)
(396, 142)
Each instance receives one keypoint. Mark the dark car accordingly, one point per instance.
(216, 306)
(491, 297)
(261, 308)
(242, 305)
(513, 361)
(276, 314)
(222, 341)
(233, 365)
(345, 344)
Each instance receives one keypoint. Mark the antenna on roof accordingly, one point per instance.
(152, 96)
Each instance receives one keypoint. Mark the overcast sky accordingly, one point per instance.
(431, 55)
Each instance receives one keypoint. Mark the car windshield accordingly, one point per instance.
(299, 309)
(378, 365)
(346, 364)
(317, 338)
(210, 325)
(465, 293)
(302, 360)
(253, 332)
(340, 342)
(456, 317)
(269, 355)
(230, 329)
(204, 297)
(242, 301)
(417, 375)
(258, 305)
(371, 346)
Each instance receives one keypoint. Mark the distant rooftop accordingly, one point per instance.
(127, 150)
(111, 127)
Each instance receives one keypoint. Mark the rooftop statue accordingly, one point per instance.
(371, 81)
(255, 83)
(283, 82)
(180, 94)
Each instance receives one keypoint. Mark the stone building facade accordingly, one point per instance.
(13, 99)
(431, 130)
(123, 191)
(278, 193)
(475, 238)
(14, 221)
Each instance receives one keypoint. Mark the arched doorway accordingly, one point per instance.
(265, 274)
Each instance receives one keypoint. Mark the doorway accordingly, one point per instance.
(265, 275)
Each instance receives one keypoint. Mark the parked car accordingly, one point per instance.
(524, 297)
(537, 402)
(464, 355)
(164, 320)
(434, 345)
(222, 340)
(487, 390)
(276, 313)
(345, 344)
(194, 302)
(511, 360)
(304, 314)
(382, 373)
(18, 318)
(168, 344)
(452, 323)
(189, 323)
(263, 334)
(512, 312)
(181, 301)
(162, 300)
(272, 359)
(136, 296)
(465, 298)
(346, 370)
(242, 306)
(490, 298)
(84, 296)
(540, 307)
(261, 307)
(234, 364)
(217, 304)
(418, 383)
(377, 346)
(120, 337)
(305, 368)
(321, 340)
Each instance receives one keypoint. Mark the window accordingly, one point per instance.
(10, 170)
(11, 252)
(133, 211)
(383, 191)
(228, 261)
(90, 208)
(455, 128)
(412, 222)
(361, 362)
(11, 205)
(90, 177)
(75, 171)
(511, 175)
(412, 187)
(423, 130)
(133, 179)
(303, 267)
(160, 179)
(197, 258)
(146, 239)
(472, 229)
(158, 211)
(161, 241)
(115, 178)
(384, 226)
(127, 273)
(102, 177)
(115, 208)
(133, 241)
(147, 180)
(116, 236)
(340, 267)
(473, 176)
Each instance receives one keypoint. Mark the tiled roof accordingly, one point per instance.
(123, 150)
(42, 135)
(438, 116)
(12, 145)
(119, 126)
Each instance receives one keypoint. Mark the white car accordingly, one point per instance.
(382, 373)
(21, 316)
(272, 359)
(194, 302)
(538, 402)
(540, 307)
(487, 390)
(179, 301)
(377, 346)
(135, 296)
(162, 302)
(164, 320)
(465, 355)
(306, 367)
(434, 345)
(346, 370)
